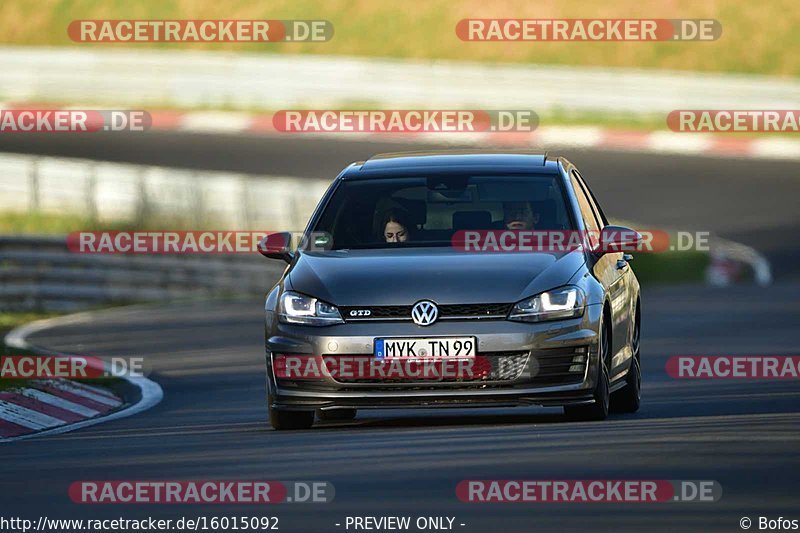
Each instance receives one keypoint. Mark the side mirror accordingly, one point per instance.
(619, 239)
(277, 246)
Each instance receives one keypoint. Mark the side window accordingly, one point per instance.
(598, 213)
(587, 213)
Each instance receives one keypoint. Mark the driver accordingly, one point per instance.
(519, 215)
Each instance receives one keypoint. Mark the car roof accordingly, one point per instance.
(436, 162)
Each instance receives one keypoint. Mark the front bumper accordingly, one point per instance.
(544, 345)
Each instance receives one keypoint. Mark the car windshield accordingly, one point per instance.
(427, 211)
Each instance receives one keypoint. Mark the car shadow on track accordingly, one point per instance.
(463, 419)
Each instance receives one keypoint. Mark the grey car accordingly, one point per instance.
(414, 286)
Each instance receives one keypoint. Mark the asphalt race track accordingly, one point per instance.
(212, 421)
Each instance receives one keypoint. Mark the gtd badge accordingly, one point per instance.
(424, 313)
(360, 312)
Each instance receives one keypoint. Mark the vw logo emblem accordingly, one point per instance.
(424, 313)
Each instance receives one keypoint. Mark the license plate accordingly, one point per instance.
(425, 348)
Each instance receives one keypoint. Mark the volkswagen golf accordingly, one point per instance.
(454, 279)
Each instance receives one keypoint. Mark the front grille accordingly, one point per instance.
(446, 312)
(490, 366)
(473, 310)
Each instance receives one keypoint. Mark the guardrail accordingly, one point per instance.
(41, 274)
(106, 191)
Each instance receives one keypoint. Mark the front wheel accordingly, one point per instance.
(599, 409)
(628, 399)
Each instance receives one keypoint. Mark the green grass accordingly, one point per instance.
(59, 224)
(12, 384)
(757, 37)
(670, 267)
(10, 320)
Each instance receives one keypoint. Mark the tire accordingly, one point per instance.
(281, 420)
(599, 409)
(339, 415)
(628, 399)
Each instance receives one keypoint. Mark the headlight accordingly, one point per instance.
(566, 302)
(301, 309)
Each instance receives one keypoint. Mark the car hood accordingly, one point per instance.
(443, 275)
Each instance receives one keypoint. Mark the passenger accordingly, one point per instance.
(519, 216)
(395, 226)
